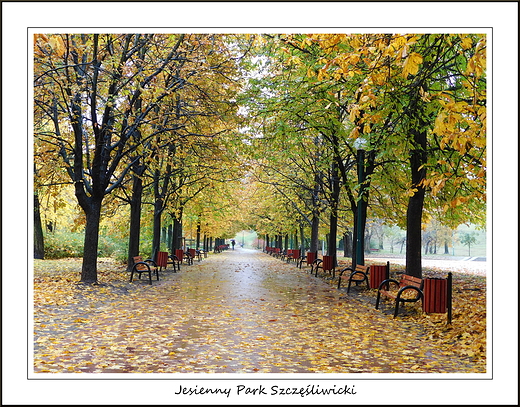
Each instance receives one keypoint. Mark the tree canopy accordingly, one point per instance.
(280, 133)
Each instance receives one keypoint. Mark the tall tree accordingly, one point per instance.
(100, 87)
(423, 92)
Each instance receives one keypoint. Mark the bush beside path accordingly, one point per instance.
(244, 311)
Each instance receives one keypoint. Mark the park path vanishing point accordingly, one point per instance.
(240, 311)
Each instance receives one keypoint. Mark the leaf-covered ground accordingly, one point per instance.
(244, 311)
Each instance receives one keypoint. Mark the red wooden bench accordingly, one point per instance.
(293, 254)
(315, 265)
(175, 262)
(147, 266)
(326, 264)
(409, 289)
(220, 248)
(357, 275)
(189, 255)
(300, 260)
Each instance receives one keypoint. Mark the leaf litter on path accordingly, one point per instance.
(244, 312)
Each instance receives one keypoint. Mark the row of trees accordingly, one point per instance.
(347, 123)
(133, 117)
(316, 129)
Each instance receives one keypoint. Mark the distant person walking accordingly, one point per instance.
(233, 243)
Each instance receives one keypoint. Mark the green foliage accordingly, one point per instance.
(60, 245)
(468, 239)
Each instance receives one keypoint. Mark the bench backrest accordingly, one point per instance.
(138, 259)
(407, 279)
(364, 269)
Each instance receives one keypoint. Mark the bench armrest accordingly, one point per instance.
(135, 268)
(410, 287)
(387, 283)
(150, 261)
(345, 269)
(358, 272)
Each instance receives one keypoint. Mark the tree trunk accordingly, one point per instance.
(177, 233)
(90, 248)
(333, 229)
(315, 221)
(169, 236)
(156, 237)
(39, 247)
(368, 242)
(302, 240)
(354, 237)
(197, 246)
(413, 235)
(365, 169)
(347, 245)
(314, 245)
(135, 217)
(415, 206)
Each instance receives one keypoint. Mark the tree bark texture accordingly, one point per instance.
(414, 211)
(177, 233)
(39, 247)
(90, 248)
(334, 202)
(315, 233)
(156, 239)
(135, 216)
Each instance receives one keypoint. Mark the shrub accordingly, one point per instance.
(59, 245)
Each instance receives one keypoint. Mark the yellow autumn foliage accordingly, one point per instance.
(411, 64)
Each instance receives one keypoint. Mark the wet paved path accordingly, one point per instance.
(239, 311)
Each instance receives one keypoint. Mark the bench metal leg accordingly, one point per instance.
(396, 308)
(365, 279)
(378, 298)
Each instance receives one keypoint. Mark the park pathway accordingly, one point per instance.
(240, 311)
